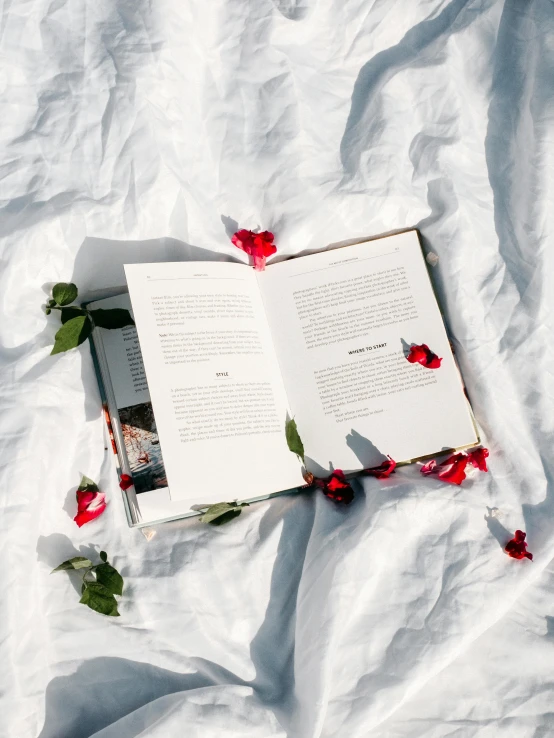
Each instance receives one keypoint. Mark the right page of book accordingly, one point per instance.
(342, 323)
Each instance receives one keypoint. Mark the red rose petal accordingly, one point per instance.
(478, 458)
(423, 355)
(90, 505)
(383, 471)
(429, 468)
(517, 548)
(336, 487)
(125, 481)
(454, 472)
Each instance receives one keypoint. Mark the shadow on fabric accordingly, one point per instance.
(104, 690)
(522, 92)
(420, 47)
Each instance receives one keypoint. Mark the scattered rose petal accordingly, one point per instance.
(432, 258)
(256, 245)
(336, 487)
(125, 481)
(429, 468)
(383, 471)
(453, 469)
(424, 356)
(517, 548)
(90, 505)
(478, 458)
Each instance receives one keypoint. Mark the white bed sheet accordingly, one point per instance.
(136, 131)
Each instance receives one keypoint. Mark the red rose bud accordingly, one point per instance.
(336, 487)
(424, 356)
(125, 481)
(517, 548)
(308, 477)
(256, 245)
(383, 471)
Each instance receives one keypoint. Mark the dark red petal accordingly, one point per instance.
(84, 498)
(517, 548)
(125, 481)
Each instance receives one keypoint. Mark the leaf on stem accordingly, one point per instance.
(222, 512)
(99, 598)
(72, 334)
(78, 562)
(64, 293)
(294, 441)
(109, 578)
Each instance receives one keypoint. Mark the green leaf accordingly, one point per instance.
(112, 319)
(87, 485)
(72, 334)
(68, 313)
(222, 512)
(100, 599)
(78, 562)
(64, 293)
(103, 556)
(110, 578)
(47, 311)
(294, 441)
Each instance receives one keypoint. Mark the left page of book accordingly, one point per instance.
(132, 398)
(214, 380)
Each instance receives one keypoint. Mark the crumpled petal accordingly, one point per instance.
(336, 487)
(429, 468)
(517, 547)
(454, 469)
(125, 481)
(423, 355)
(383, 471)
(478, 458)
(90, 505)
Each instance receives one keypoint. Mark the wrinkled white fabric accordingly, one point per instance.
(140, 131)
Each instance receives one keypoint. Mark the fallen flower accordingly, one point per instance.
(478, 458)
(517, 548)
(383, 471)
(336, 487)
(125, 481)
(256, 245)
(91, 503)
(454, 468)
(423, 355)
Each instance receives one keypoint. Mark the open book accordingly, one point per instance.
(229, 353)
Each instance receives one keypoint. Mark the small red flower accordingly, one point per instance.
(517, 548)
(90, 505)
(256, 245)
(336, 487)
(424, 356)
(125, 481)
(383, 471)
(478, 458)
